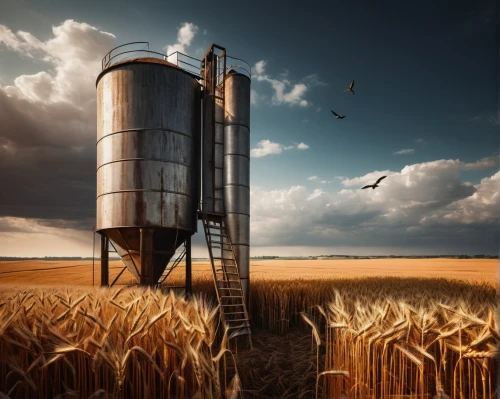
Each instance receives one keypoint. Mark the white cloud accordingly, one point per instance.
(319, 180)
(75, 52)
(318, 109)
(422, 206)
(485, 163)
(260, 67)
(254, 97)
(22, 42)
(405, 151)
(284, 91)
(185, 36)
(267, 147)
(481, 208)
(314, 80)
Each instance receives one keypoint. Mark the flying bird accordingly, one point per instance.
(374, 185)
(350, 88)
(337, 115)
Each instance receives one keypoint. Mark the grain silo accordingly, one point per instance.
(172, 149)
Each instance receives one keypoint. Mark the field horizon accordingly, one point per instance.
(80, 272)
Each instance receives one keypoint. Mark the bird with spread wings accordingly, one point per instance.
(374, 185)
(337, 115)
(351, 87)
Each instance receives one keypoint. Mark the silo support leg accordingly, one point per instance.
(104, 261)
(189, 284)
(147, 257)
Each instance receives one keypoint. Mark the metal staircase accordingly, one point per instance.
(227, 281)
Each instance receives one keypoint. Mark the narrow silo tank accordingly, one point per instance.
(148, 139)
(237, 170)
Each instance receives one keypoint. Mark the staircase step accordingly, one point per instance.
(224, 281)
(226, 272)
(247, 325)
(232, 297)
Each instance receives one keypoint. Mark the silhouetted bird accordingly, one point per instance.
(350, 88)
(337, 115)
(374, 185)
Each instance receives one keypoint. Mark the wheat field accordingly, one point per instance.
(319, 330)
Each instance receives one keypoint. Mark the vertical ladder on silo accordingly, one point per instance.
(233, 309)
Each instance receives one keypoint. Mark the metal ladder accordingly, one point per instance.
(227, 281)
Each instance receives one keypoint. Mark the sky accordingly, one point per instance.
(425, 113)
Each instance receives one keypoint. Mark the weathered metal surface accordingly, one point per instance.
(237, 170)
(148, 126)
(208, 157)
(213, 133)
(146, 248)
(104, 261)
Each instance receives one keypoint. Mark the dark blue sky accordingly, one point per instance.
(426, 77)
(423, 70)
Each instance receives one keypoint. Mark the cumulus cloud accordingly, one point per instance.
(47, 127)
(22, 42)
(260, 67)
(267, 147)
(319, 180)
(424, 206)
(485, 163)
(404, 151)
(185, 36)
(481, 209)
(284, 91)
(254, 97)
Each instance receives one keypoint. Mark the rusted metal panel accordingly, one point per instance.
(148, 139)
(147, 256)
(237, 170)
(208, 156)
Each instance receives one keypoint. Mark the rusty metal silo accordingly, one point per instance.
(148, 149)
(237, 169)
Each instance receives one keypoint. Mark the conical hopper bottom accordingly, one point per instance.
(127, 241)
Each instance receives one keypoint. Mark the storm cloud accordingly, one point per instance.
(47, 127)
